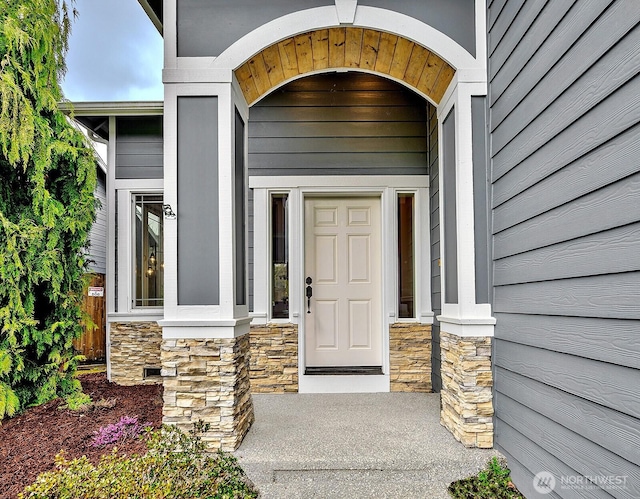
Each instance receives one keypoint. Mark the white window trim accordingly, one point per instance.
(421, 266)
(126, 256)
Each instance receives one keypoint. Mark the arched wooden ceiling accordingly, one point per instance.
(340, 48)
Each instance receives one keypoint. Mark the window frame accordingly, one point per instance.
(270, 227)
(133, 257)
(399, 270)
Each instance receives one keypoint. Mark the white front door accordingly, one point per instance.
(343, 322)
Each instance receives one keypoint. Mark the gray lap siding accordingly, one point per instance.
(564, 118)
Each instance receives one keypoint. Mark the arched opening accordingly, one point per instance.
(346, 48)
(341, 145)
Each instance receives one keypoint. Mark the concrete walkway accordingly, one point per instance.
(385, 445)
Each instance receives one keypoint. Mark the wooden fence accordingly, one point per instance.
(92, 343)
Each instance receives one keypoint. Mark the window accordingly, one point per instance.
(149, 251)
(279, 258)
(406, 287)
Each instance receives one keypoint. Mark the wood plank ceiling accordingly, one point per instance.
(340, 48)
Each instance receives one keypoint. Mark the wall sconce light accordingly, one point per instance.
(151, 267)
(169, 214)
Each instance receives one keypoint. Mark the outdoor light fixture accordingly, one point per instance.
(169, 214)
(151, 268)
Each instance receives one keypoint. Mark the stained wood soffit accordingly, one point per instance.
(344, 48)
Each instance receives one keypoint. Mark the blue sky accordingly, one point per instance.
(115, 53)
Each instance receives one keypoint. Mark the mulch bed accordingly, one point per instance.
(30, 441)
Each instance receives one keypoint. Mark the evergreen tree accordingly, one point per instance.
(47, 179)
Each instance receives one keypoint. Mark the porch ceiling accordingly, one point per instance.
(345, 48)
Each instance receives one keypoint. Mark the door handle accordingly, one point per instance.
(309, 293)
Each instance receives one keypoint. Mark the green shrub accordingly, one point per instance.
(77, 401)
(47, 208)
(176, 466)
(494, 482)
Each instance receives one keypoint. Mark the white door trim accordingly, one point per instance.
(385, 187)
(340, 383)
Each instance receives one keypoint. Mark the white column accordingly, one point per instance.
(225, 319)
(465, 318)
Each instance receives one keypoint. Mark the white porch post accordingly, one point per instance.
(205, 361)
(466, 326)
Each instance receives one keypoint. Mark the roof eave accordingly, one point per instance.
(112, 108)
(153, 15)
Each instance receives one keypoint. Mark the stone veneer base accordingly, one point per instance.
(208, 380)
(274, 358)
(410, 357)
(466, 395)
(132, 347)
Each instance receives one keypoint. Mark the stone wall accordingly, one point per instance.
(467, 381)
(208, 380)
(274, 358)
(410, 357)
(134, 346)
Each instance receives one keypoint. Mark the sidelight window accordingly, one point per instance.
(406, 256)
(149, 251)
(279, 257)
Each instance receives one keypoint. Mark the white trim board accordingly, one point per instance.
(338, 181)
(343, 384)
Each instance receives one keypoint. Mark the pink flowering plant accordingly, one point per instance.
(127, 427)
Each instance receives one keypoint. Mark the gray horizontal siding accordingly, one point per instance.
(584, 256)
(577, 336)
(339, 124)
(610, 295)
(603, 427)
(565, 141)
(528, 63)
(208, 27)
(605, 120)
(434, 209)
(500, 24)
(611, 206)
(518, 28)
(546, 102)
(455, 18)
(334, 114)
(532, 457)
(139, 147)
(574, 180)
(97, 251)
(579, 453)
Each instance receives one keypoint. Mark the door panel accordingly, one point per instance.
(343, 259)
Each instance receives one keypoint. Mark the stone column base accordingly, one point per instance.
(134, 346)
(208, 380)
(274, 358)
(466, 395)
